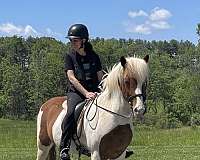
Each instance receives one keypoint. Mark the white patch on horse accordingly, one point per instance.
(56, 129)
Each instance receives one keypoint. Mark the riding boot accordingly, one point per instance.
(64, 150)
(67, 132)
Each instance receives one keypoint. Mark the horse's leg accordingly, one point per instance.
(95, 155)
(43, 151)
(52, 153)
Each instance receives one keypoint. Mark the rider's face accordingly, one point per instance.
(76, 43)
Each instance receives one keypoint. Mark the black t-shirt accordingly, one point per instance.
(87, 69)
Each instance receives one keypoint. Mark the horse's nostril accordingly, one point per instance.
(135, 110)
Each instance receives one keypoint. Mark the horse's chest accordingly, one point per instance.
(114, 143)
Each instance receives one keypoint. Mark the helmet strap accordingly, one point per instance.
(82, 44)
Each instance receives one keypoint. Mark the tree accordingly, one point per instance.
(198, 29)
(46, 72)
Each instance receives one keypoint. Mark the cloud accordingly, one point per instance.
(160, 25)
(133, 14)
(141, 28)
(156, 20)
(11, 29)
(49, 32)
(28, 30)
(158, 14)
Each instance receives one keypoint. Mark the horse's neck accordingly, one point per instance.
(114, 102)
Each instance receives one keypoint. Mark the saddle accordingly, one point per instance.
(78, 109)
(78, 120)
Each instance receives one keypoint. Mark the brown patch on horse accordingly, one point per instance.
(114, 143)
(51, 109)
(129, 84)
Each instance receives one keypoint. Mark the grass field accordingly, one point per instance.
(18, 142)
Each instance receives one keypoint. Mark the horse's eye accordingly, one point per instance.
(126, 81)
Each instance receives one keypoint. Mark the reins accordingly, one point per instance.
(107, 110)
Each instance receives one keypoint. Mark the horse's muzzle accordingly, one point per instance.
(139, 111)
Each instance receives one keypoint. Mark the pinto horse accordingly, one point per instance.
(106, 129)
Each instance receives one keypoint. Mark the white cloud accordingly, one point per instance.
(28, 30)
(49, 32)
(141, 28)
(157, 19)
(160, 25)
(133, 14)
(158, 14)
(11, 29)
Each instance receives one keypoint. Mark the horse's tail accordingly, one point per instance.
(52, 153)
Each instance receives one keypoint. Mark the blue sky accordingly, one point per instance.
(136, 19)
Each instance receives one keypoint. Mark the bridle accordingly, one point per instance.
(107, 110)
(142, 96)
(129, 99)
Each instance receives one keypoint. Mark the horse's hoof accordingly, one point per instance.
(128, 153)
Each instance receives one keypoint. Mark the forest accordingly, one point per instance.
(32, 71)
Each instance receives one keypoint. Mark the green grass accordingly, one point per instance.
(18, 142)
(173, 144)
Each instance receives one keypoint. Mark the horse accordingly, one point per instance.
(107, 128)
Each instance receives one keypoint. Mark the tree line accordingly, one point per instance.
(32, 71)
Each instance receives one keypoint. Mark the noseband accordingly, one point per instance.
(131, 98)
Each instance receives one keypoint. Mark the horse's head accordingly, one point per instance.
(133, 83)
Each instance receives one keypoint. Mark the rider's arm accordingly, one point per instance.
(99, 68)
(100, 75)
(77, 85)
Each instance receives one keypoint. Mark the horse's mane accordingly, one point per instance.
(136, 66)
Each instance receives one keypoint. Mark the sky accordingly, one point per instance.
(135, 19)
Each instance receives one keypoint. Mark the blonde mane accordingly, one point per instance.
(136, 66)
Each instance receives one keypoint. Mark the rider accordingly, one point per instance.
(84, 72)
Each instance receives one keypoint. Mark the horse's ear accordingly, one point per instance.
(123, 61)
(146, 58)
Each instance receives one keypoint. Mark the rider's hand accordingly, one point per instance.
(90, 95)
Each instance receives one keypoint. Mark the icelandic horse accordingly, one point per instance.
(107, 128)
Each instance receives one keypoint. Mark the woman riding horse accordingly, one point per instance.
(106, 129)
(84, 72)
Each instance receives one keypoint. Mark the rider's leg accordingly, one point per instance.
(68, 125)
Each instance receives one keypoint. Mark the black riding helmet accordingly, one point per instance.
(78, 31)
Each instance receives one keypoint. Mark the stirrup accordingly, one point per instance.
(64, 155)
(65, 150)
